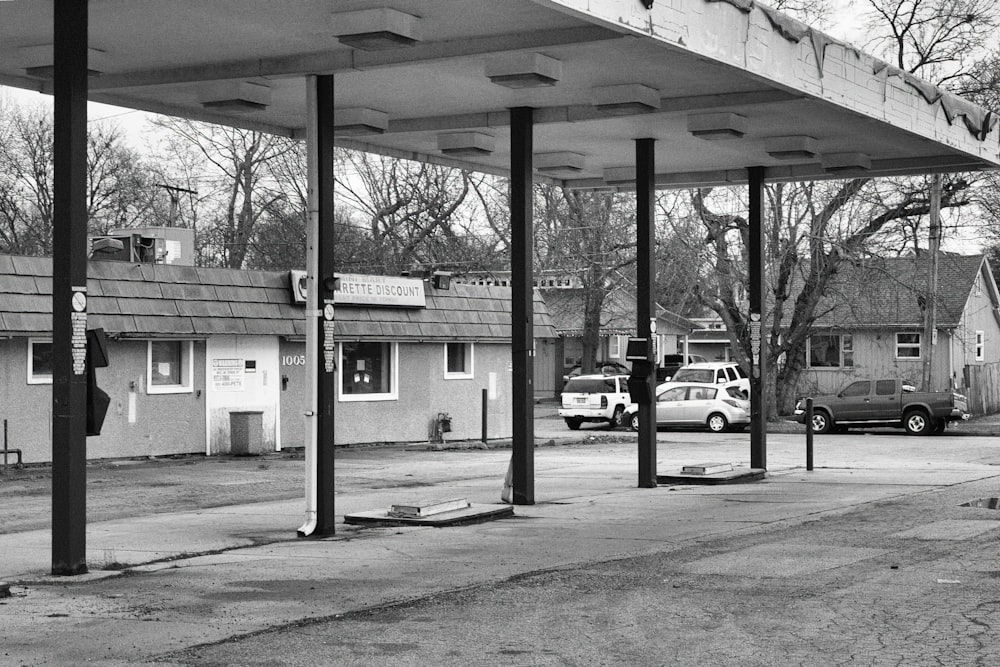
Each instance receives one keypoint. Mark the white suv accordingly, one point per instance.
(726, 373)
(595, 398)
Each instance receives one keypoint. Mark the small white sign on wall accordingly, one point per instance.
(228, 374)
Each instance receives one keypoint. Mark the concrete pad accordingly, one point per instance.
(459, 517)
(782, 559)
(956, 529)
(735, 476)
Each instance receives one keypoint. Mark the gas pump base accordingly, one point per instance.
(735, 476)
(461, 517)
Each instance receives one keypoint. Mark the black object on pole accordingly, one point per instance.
(645, 233)
(485, 415)
(522, 306)
(325, 284)
(809, 434)
(69, 288)
(98, 400)
(758, 352)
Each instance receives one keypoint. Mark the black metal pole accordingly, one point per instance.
(326, 389)
(485, 414)
(645, 187)
(522, 306)
(69, 289)
(809, 434)
(758, 353)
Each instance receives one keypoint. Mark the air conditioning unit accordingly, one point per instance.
(297, 282)
(133, 248)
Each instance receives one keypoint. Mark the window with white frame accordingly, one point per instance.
(458, 361)
(980, 345)
(908, 345)
(615, 347)
(368, 371)
(830, 351)
(170, 366)
(39, 361)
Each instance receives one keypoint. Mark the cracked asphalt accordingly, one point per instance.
(871, 559)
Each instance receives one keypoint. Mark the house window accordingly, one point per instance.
(170, 366)
(39, 361)
(980, 345)
(458, 361)
(614, 347)
(830, 351)
(908, 345)
(368, 372)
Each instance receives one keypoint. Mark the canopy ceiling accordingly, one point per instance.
(689, 64)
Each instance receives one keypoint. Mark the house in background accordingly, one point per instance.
(618, 322)
(871, 324)
(201, 358)
(710, 339)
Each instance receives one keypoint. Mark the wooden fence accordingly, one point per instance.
(983, 390)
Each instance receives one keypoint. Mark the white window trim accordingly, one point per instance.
(360, 398)
(919, 345)
(32, 378)
(184, 388)
(980, 346)
(464, 375)
(841, 365)
(615, 347)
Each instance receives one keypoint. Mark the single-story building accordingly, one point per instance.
(196, 353)
(871, 324)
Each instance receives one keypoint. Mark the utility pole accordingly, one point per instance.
(929, 338)
(175, 197)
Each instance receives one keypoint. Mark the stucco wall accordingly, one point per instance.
(423, 392)
(137, 423)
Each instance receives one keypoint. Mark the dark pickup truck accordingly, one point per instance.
(893, 403)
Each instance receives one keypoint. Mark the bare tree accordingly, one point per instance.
(238, 175)
(118, 180)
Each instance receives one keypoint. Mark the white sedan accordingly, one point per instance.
(696, 404)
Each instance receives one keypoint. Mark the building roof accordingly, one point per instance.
(618, 317)
(152, 300)
(890, 292)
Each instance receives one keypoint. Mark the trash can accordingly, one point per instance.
(246, 433)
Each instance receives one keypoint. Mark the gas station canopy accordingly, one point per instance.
(721, 85)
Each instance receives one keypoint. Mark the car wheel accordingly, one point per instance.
(821, 422)
(574, 424)
(917, 422)
(618, 418)
(717, 422)
(634, 421)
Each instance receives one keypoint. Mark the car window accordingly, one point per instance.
(582, 385)
(885, 387)
(731, 373)
(734, 392)
(673, 394)
(694, 375)
(739, 371)
(701, 394)
(610, 386)
(860, 388)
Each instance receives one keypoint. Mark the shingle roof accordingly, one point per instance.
(889, 291)
(160, 299)
(618, 317)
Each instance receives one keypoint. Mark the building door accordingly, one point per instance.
(243, 385)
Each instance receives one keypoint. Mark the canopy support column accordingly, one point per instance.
(69, 290)
(758, 353)
(320, 346)
(645, 188)
(522, 305)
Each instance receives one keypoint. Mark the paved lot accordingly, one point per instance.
(869, 559)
